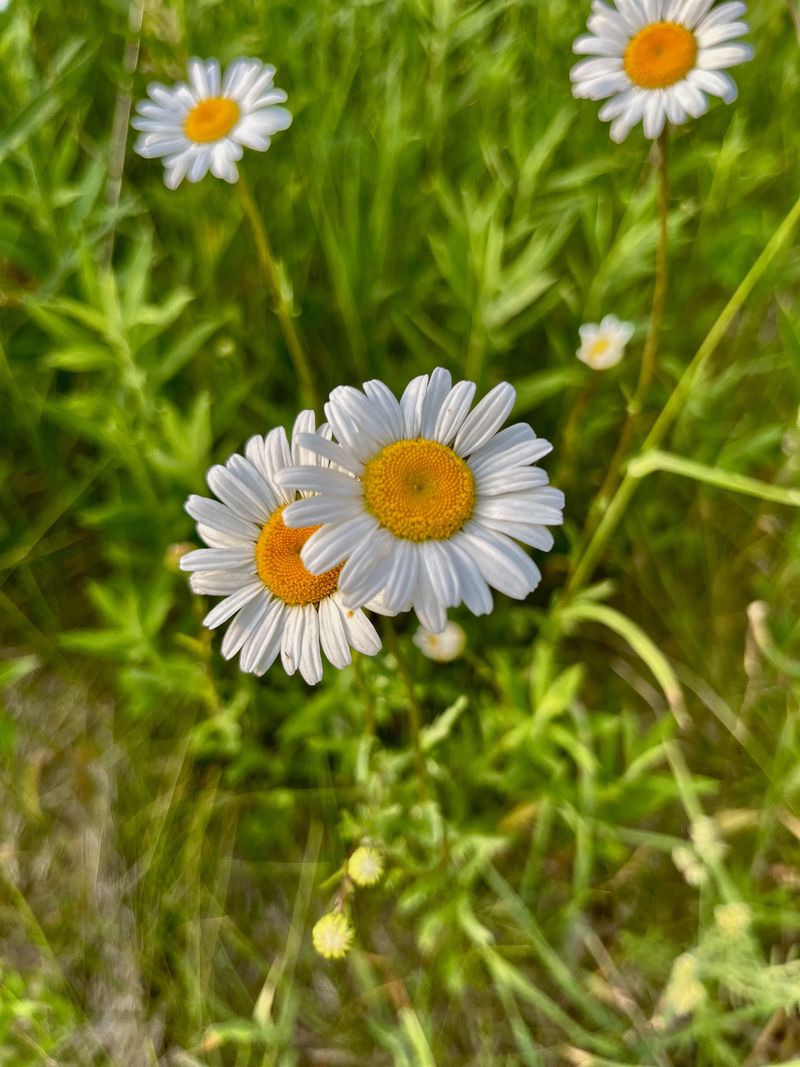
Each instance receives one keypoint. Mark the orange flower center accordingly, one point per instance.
(281, 569)
(419, 490)
(211, 119)
(660, 55)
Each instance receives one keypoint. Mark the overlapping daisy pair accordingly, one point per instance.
(391, 505)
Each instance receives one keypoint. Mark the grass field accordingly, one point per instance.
(600, 862)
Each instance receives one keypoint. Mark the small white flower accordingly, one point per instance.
(443, 647)
(733, 919)
(603, 345)
(205, 125)
(4, 5)
(425, 499)
(253, 560)
(704, 835)
(685, 992)
(656, 61)
(687, 862)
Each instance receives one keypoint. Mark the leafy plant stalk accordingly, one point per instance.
(616, 509)
(647, 367)
(280, 304)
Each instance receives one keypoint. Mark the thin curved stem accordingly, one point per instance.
(414, 714)
(616, 509)
(281, 305)
(648, 365)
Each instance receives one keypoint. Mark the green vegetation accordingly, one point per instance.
(604, 770)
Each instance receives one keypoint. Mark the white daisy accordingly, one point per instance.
(655, 61)
(205, 125)
(443, 647)
(423, 498)
(253, 560)
(603, 344)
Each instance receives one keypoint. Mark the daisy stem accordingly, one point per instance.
(616, 509)
(414, 715)
(647, 367)
(281, 302)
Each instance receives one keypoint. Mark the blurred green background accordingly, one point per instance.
(170, 828)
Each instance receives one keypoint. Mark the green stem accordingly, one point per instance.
(280, 304)
(616, 509)
(647, 367)
(414, 713)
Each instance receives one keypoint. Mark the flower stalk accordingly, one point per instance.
(280, 304)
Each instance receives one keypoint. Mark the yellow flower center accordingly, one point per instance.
(419, 490)
(599, 347)
(281, 569)
(211, 119)
(660, 55)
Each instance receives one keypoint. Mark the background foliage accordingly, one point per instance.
(172, 828)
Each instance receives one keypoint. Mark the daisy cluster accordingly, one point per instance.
(421, 503)
(418, 504)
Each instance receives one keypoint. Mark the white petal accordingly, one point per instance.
(453, 412)
(441, 573)
(318, 510)
(332, 544)
(485, 420)
(501, 562)
(515, 480)
(216, 539)
(220, 517)
(292, 641)
(513, 447)
(717, 82)
(474, 591)
(655, 115)
(231, 604)
(305, 424)
(244, 625)
(728, 55)
(402, 578)
(216, 559)
(337, 455)
(533, 534)
(429, 609)
(411, 405)
(239, 497)
(332, 634)
(438, 387)
(361, 634)
(390, 411)
(310, 657)
(320, 480)
(724, 31)
(366, 572)
(220, 583)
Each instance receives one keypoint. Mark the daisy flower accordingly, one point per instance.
(656, 61)
(443, 647)
(275, 605)
(603, 345)
(423, 498)
(205, 125)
